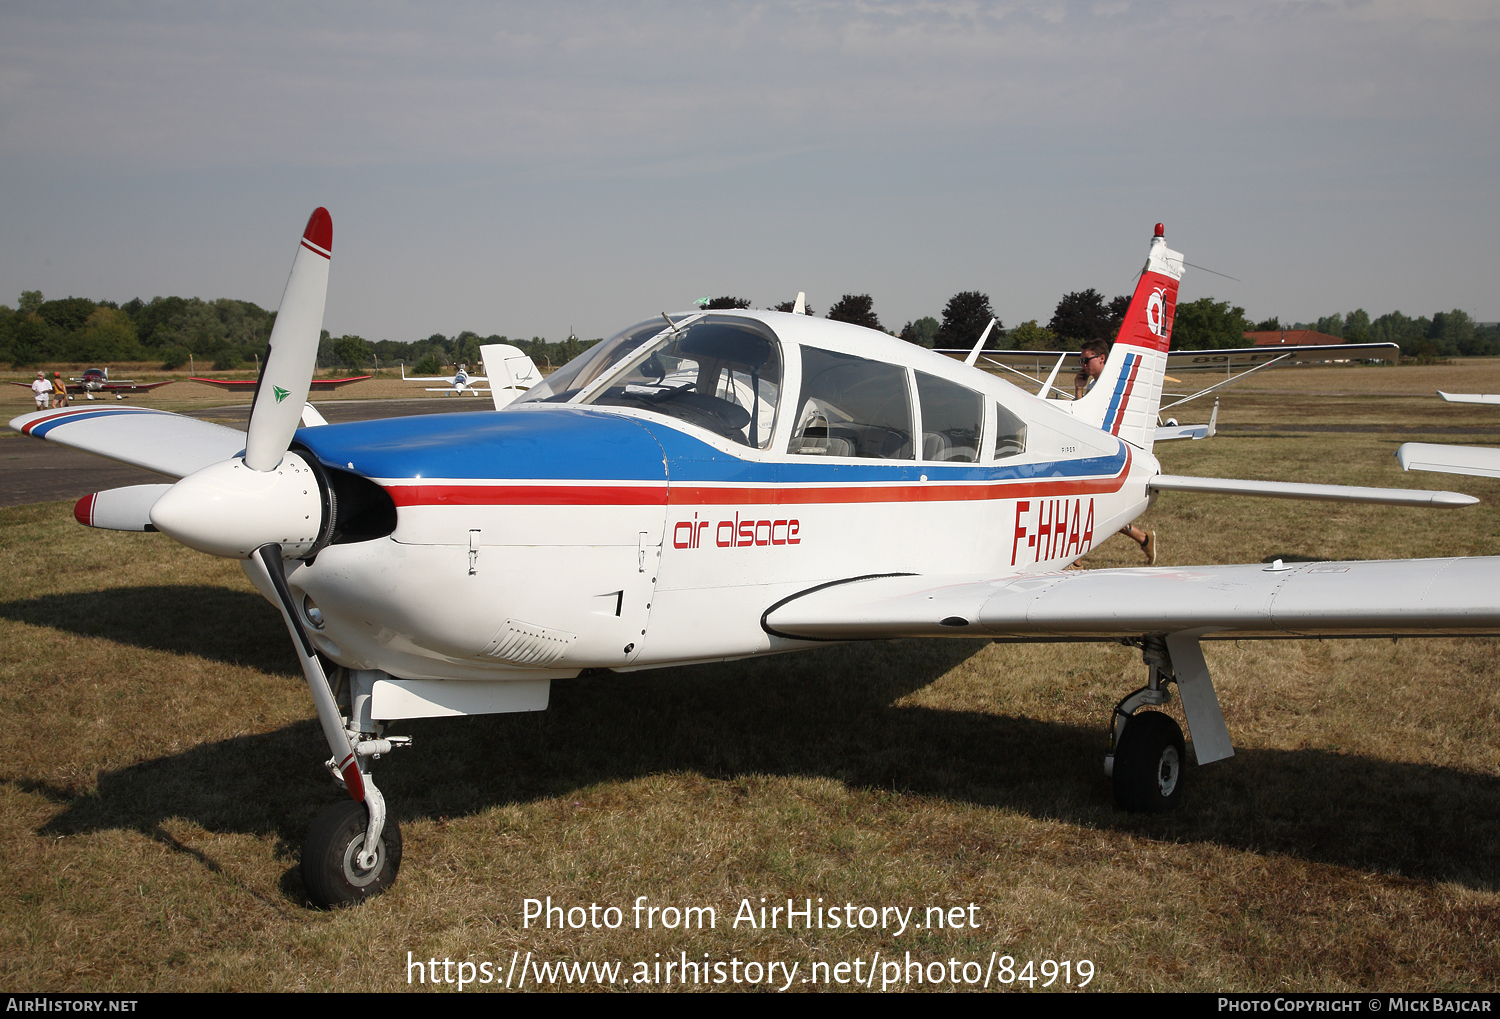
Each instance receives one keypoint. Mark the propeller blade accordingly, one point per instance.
(267, 562)
(287, 376)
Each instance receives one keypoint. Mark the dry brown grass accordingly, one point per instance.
(161, 768)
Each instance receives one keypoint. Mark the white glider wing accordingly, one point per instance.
(1470, 397)
(1482, 461)
(1431, 597)
(157, 440)
(1323, 493)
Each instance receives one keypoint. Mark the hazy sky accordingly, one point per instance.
(530, 168)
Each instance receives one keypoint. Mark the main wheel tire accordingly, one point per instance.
(330, 857)
(1149, 763)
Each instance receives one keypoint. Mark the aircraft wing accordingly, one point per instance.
(1481, 461)
(1450, 397)
(1249, 357)
(1041, 361)
(329, 385)
(159, 441)
(248, 385)
(125, 387)
(1432, 597)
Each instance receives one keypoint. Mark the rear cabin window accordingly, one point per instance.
(1010, 434)
(952, 420)
(852, 407)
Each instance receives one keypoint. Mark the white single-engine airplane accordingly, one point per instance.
(510, 373)
(715, 485)
(457, 384)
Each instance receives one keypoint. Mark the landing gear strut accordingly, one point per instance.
(1146, 749)
(354, 850)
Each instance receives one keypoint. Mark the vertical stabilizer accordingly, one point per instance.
(509, 370)
(1124, 399)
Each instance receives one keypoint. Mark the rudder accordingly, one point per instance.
(1124, 399)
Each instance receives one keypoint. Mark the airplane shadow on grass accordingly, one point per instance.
(215, 623)
(828, 712)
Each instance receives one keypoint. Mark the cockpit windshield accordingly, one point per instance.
(718, 372)
(573, 377)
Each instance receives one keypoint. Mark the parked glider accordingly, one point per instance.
(248, 385)
(1480, 461)
(713, 485)
(97, 380)
(1031, 365)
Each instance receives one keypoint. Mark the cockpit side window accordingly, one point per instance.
(718, 372)
(852, 407)
(952, 420)
(1010, 434)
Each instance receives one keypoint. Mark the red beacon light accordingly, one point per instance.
(1160, 230)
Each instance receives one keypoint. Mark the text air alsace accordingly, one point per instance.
(1052, 529)
(736, 532)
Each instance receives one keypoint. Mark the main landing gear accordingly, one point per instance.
(1147, 753)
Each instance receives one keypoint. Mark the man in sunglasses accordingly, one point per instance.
(1093, 354)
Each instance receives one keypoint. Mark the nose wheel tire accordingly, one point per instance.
(1148, 764)
(330, 857)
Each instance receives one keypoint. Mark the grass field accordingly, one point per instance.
(162, 766)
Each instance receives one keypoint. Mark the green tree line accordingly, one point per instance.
(230, 334)
(225, 333)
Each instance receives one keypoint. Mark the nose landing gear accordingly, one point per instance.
(334, 857)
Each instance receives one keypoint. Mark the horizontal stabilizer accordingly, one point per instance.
(157, 440)
(120, 509)
(1481, 461)
(1433, 597)
(1166, 433)
(1470, 397)
(1298, 490)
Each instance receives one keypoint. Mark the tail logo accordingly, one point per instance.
(1156, 312)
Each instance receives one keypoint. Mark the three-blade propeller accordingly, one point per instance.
(266, 506)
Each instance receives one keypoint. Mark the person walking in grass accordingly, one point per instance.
(59, 390)
(42, 390)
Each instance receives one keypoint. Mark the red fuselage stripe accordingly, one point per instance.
(1125, 400)
(693, 495)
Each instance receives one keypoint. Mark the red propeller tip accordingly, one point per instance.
(320, 229)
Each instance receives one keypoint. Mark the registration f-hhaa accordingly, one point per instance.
(715, 485)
